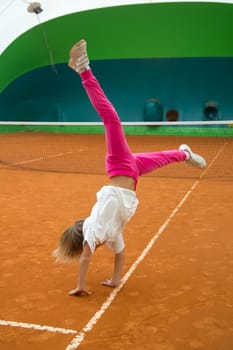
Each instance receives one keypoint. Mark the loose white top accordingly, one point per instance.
(114, 207)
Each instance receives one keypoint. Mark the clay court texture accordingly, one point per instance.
(177, 288)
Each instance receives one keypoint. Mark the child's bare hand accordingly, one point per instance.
(110, 283)
(79, 292)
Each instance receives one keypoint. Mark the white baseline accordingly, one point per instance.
(37, 327)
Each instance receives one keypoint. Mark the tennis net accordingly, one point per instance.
(74, 147)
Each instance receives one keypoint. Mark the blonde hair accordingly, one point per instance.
(70, 245)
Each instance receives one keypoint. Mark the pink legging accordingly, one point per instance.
(119, 159)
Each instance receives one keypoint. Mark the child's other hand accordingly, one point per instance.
(110, 283)
(79, 292)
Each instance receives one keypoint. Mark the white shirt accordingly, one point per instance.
(114, 207)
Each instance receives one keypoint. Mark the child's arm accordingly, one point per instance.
(118, 267)
(84, 262)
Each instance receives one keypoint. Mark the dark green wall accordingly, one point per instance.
(162, 30)
(183, 84)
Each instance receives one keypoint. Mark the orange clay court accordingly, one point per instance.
(177, 291)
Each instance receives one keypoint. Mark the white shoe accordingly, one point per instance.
(79, 56)
(194, 159)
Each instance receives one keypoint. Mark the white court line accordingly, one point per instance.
(37, 327)
(77, 340)
(36, 159)
(213, 160)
